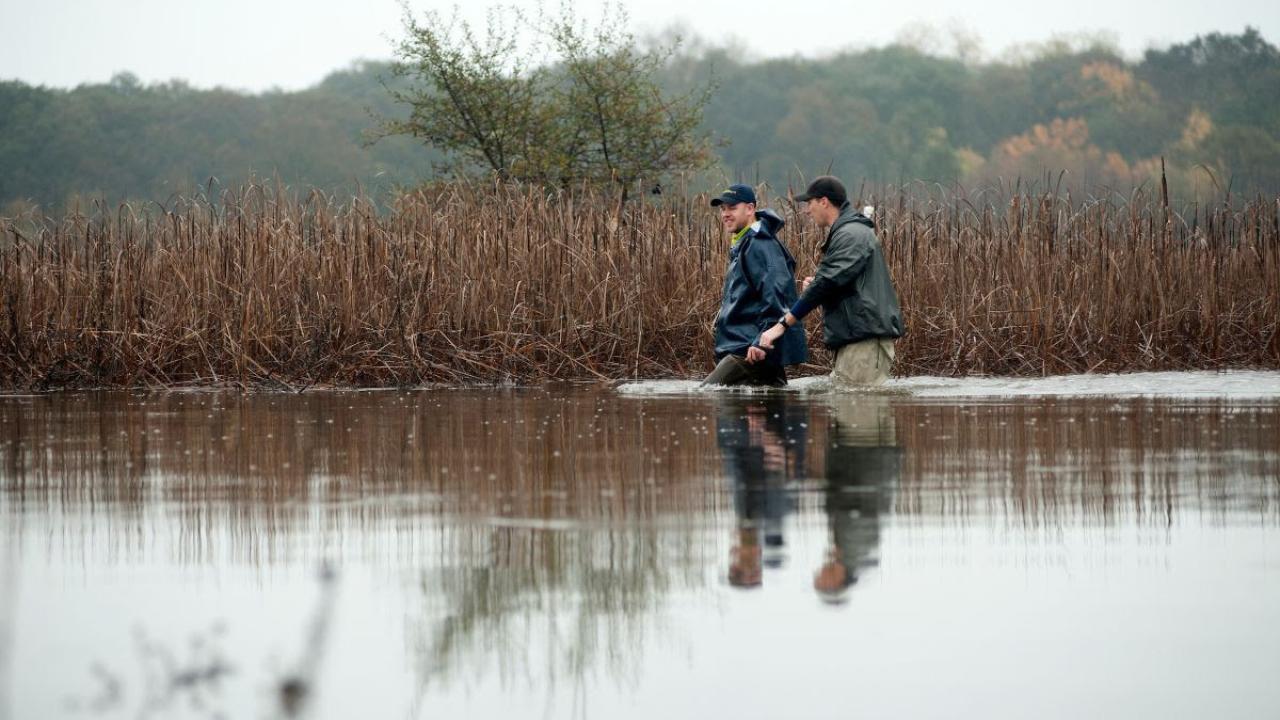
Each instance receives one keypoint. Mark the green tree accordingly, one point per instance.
(1235, 77)
(591, 111)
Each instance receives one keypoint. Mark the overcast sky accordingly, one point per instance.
(290, 44)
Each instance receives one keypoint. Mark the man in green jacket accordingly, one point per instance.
(861, 318)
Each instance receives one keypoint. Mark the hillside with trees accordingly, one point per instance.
(1210, 107)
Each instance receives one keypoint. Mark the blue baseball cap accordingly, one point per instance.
(734, 195)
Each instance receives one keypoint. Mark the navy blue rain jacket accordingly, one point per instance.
(759, 288)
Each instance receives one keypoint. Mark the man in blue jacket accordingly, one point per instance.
(861, 318)
(759, 286)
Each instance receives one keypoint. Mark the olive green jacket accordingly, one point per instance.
(852, 284)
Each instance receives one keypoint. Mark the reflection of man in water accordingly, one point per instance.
(862, 470)
(762, 440)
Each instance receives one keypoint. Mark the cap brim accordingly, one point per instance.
(717, 202)
(803, 197)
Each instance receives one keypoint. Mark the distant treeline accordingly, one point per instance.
(1210, 107)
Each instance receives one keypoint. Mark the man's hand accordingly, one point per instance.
(755, 354)
(768, 336)
(804, 284)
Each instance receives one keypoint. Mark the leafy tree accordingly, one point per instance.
(592, 111)
(1246, 157)
(1235, 77)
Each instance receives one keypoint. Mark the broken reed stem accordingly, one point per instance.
(477, 284)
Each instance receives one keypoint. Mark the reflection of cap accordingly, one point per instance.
(827, 187)
(734, 195)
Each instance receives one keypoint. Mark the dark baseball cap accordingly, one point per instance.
(827, 187)
(734, 195)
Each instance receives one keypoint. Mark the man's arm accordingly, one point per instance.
(772, 279)
(844, 261)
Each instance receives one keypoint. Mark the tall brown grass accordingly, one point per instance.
(466, 283)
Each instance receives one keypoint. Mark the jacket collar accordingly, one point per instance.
(847, 215)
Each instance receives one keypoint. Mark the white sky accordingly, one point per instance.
(290, 44)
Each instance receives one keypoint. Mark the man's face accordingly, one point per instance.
(819, 210)
(737, 216)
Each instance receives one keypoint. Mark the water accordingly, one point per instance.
(944, 548)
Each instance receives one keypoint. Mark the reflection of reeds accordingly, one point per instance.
(570, 517)
(253, 470)
(400, 477)
(476, 283)
(1052, 464)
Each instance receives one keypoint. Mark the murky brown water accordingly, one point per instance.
(581, 553)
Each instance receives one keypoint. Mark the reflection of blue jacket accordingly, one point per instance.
(759, 287)
(763, 439)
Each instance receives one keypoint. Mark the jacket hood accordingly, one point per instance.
(770, 221)
(848, 214)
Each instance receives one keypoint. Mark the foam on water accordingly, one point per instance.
(819, 383)
(1235, 384)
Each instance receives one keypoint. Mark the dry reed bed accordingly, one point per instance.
(1043, 285)
(465, 284)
